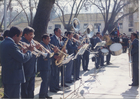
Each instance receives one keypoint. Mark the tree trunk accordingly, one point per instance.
(42, 18)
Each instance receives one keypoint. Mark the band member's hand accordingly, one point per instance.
(101, 47)
(31, 48)
(37, 46)
(79, 46)
(55, 49)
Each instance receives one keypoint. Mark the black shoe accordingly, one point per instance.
(48, 97)
(109, 63)
(55, 91)
(133, 85)
(88, 70)
(65, 85)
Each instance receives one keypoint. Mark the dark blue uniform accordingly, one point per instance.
(44, 67)
(99, 58)
(135, 62)
(30, 69)
(12, 67)
(71, 48)
(54, 85)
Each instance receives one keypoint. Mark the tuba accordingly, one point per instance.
(76, 24)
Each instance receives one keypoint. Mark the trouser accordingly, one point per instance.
(27, 88)
(69, 68)
(12, 91)
(54, 80)
(63, 72)
(108, 57)
(135, 69)
(77, 63)
(99, 60)
(45, 75)
(85, 60)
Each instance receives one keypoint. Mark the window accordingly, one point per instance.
(49, 27)
(96, 25)
(85, 25)
(57, 26)
(120, 25)
(130, 30)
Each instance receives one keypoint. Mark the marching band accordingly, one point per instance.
(22, 57)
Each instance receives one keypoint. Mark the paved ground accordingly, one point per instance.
(108, 82)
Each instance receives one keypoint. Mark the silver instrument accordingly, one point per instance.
(76, 24)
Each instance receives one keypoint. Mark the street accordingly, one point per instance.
(111, 81)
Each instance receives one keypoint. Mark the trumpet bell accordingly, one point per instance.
(76, 24)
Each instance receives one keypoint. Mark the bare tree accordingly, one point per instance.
(76, 6)
(115, 7)
(42, 17)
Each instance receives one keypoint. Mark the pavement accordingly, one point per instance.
(111, 81)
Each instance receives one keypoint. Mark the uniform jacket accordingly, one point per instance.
(12, 60)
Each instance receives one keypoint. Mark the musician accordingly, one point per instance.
(55, 40)
(85, 59)
(70, 48)
(12, 60)
(77, 61)
(44, 66)
(135, 59)
(107, 45)
(99, 58)
(125, 43)
(27, 88)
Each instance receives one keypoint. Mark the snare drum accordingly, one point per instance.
(116, 49)
(104, 51)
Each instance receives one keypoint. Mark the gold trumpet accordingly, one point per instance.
(44, 49)
(22, 44)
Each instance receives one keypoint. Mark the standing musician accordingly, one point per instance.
(12, 60)
(77, 61)
(99, 58)
(44, 66)
(55, 40)
(70, 48)
(135, 59)
(27, 88)
(108, 43)
(85, 59)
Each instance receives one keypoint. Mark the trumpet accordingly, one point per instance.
(23, 44)
(44, 49)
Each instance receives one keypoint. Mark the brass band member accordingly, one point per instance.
(12, 60)
(135, 59)
(55, 40)
(106, 38)
(27, 88)
(44, 67)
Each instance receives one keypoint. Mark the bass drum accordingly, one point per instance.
(116, 49)
(104, 51)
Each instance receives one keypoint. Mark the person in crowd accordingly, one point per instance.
(55, 40)
(70, 48)
(135, 59)
(12, 60)
(30, 67)
(6, 33)
(106, 38)
(44, 66)
(99, 58)
(77, 61)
